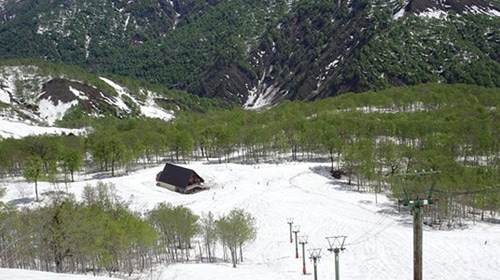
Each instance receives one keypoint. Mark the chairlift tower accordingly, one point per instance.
(315, 255)
(303, 242)
(296, 230)
(418, 188)
(336, 244)
(290, 223)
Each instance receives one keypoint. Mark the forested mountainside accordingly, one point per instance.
(258, 53)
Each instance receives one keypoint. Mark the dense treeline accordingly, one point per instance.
(371, 136)
(95, 235)
(101, 234)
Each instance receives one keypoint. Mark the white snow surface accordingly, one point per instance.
(378, 244)
(20, 274)
(379, 241)
(440, 14)
(18, 129)
(148, 108)
(399, 14)
(262, 95)
(434, 13)
(49, 113)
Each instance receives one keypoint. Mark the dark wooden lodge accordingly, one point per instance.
(179, 179)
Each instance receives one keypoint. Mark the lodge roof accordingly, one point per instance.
(179, 176)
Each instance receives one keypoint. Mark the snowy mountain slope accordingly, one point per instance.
(259, 53)
(379, 239)
(28, 94)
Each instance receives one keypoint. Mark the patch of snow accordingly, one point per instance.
(148, 108)
(79, 94)
(42, 29)
(126, 22)
(480, 10)
(4, 93)
(51, 112)
(331, 65)
(16, 274)
(29, 79)
(262, 98)
(400, 13)
(262, 95)
(118, 102)
(87, 44)
(151, 110)
(495, 13)
(438, 14)
(176, 20)
(10, 128)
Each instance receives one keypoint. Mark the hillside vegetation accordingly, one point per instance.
(100, 234)
(28, 85)
(370, 137)
(277, 50)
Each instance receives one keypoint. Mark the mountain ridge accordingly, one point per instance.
(259, 54)
(46, 94)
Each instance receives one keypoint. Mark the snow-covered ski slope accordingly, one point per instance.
(379, 243)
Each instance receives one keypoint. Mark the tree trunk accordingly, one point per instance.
(36, 190)
(234, 257)
(58, 260)
(209, 252)
(241, 252)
